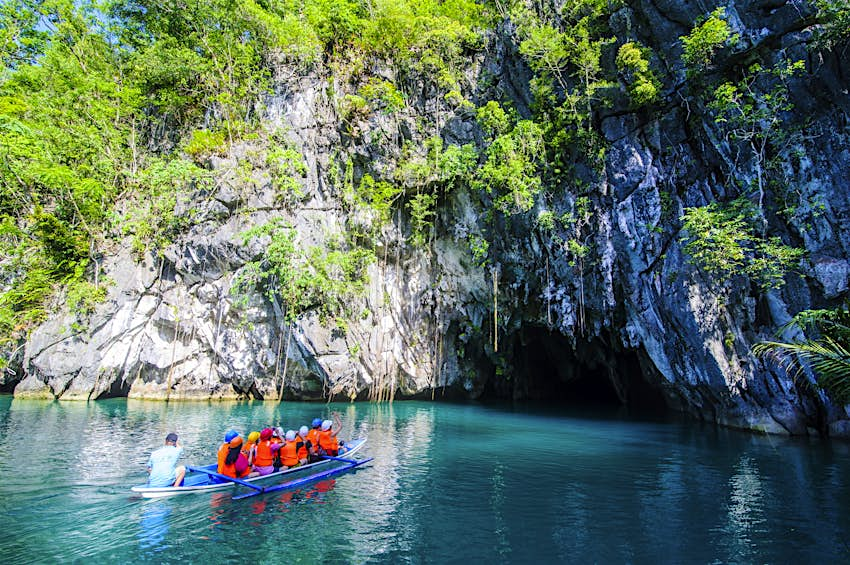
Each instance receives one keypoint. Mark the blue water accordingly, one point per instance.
(449, 484)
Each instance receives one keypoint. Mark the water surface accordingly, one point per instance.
(449, 484)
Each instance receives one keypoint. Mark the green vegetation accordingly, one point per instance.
(700, 46)
(633, 62)
(827, 353)
(513, 156)
(565, 52)
(833, 23)
(722, 241)
(303, 278)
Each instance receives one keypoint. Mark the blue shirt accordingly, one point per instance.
(162, 463)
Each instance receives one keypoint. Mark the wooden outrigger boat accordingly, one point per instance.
(203, 479)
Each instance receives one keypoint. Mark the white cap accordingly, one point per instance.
(290, 435)
(303, 431)
(326, 425)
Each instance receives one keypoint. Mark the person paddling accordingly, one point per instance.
(162, 464)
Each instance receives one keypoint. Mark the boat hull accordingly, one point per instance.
(197, 482)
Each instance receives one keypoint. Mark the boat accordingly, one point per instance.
(198, 480)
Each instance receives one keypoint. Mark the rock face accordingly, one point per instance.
(635, 314)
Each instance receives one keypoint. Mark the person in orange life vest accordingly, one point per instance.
(306, 446)
(289, 450)
(235, 464)
(249, 448)
(225, 447)
(328, 444)
(264, 458)
(313, 439)
(277, 442)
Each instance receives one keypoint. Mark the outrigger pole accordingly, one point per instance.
(352, 463)
(223, 477)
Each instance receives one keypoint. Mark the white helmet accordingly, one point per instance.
(290, 435)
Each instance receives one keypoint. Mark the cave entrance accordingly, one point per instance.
(547, 368)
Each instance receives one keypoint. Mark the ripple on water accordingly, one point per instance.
(449, 483)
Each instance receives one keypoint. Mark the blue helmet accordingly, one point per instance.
(230, 435)
(317, 422)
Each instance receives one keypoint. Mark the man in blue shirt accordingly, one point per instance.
(162, 464)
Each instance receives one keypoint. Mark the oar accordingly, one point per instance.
(225, 478)
(304, 480)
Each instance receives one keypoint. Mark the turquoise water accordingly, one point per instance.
(449, 484)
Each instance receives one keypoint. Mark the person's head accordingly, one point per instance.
(280, 433)
(317, 422)
(326, 425)
(230, 435)
(266, 434)
(171, 439)
(290, 435)
(253, 437)
(235, 448)
(303, 430)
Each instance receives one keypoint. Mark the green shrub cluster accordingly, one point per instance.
(722, 240)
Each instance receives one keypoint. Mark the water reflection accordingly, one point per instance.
(745, 512)
(153, 526)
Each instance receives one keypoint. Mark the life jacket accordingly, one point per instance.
(222, 455)
(303, 451)
(275, 441)
(248, 450)
(313, 437)
(236, 470)
(289, 453)
(264, 456)
(328, 442)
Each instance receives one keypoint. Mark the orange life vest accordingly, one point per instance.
(313, 438)
(230, 470)
(248, 451)
(289, 453)
(328, 442)
(264, 456)
(302, 451)
(222, 454)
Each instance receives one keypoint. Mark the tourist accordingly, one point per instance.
(328, 443)
(264, 458)
(277, 442)
(313, 438)
(162, 464)
(306, 446)
(224, 447)
(235, 464)
(249, 448)
(289, 450)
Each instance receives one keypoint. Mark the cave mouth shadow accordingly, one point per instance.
(546, 369)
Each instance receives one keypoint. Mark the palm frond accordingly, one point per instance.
(829, 359)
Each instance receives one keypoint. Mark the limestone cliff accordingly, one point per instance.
(634, 311)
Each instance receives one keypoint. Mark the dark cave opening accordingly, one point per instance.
(545, 367)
